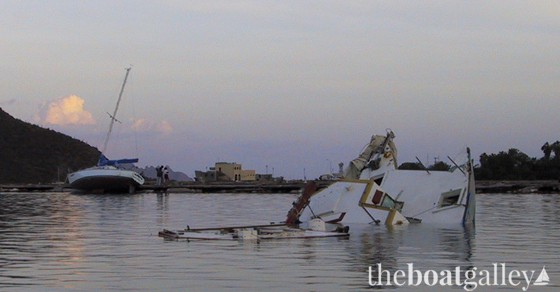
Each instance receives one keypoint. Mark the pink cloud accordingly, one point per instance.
(144, 125)
(67, 110)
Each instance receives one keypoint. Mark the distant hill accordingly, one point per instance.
(32, 154)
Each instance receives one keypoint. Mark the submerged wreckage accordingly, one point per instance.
(316, 228)
(373, 190)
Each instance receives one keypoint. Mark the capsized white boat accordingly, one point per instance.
(373, 190)
(108, 176)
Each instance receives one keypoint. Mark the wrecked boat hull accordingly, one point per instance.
(373, 190)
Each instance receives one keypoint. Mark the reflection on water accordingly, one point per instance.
(109, 242)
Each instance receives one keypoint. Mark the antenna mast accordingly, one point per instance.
(114, 116)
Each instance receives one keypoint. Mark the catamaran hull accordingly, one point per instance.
(104, 179)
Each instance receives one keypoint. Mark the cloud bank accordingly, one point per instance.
(144, 125)
(63, 111)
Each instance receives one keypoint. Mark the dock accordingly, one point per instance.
(226, 188)
(187, 187)
(25, 188)
(488, 187)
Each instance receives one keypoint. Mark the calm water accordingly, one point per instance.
(64, 241)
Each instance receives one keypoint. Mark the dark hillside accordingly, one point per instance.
(31, 154)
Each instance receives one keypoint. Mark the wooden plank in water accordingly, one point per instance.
(291, 234)
(233, 227)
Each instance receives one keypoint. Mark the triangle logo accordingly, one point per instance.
(543, 279)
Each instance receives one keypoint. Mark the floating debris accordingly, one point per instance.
(316, 228)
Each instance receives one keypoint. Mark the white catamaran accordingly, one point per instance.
(107, 176)
(373, 190)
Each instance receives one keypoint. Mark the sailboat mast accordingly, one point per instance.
(114, 116)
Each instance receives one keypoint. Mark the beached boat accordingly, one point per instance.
(374, 190)
(316, 228)
(107, 175)
(106, 178)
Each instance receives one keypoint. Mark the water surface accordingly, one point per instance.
(60, 241)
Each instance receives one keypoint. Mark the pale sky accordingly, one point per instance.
(285, 85)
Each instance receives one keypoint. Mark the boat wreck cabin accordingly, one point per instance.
(374, 190)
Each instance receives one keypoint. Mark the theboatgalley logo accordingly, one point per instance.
(471, 279)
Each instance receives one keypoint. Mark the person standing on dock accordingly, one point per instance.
(159, 173)
(165, 175)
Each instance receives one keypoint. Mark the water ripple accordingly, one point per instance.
(109, 242)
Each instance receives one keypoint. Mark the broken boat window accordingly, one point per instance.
(378, 180)
(389, 202)
(377, 197)
(449, 198)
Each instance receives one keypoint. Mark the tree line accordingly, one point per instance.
(510, 165)
(516, 165)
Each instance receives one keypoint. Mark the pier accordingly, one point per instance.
(194, 187)
(226, 188)
(488, 187)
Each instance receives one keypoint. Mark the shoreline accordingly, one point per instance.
(176, 187)
(518, 186)
(482, 187)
